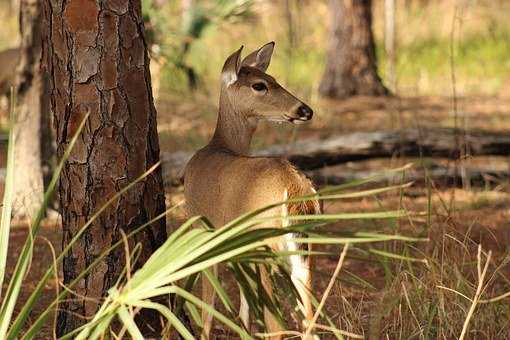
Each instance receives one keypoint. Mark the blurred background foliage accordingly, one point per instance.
(200, 33)
(190, 39)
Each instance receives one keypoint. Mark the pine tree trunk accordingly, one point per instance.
(351, 66)
(32, 132)
(98, 62)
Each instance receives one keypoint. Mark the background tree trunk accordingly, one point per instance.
(351, 65)
(32, 130)
(97, 60)
(390, 43)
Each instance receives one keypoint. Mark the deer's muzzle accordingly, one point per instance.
(303, 113)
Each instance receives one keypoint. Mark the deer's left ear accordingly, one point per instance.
(231, 68)
(260, 58)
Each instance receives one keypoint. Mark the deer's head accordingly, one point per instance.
(254, 94)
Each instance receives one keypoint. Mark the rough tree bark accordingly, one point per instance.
(97, 60)
(351, 65)
(32, 131)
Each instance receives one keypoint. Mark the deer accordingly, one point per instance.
(222, 181)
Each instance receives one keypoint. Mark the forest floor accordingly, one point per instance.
(374, 296)
(187, 125)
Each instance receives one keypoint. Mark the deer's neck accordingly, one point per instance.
(234, 130)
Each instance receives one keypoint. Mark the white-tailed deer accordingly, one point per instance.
(222, 181)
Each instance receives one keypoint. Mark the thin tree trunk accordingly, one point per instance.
(97, 60)
(390, 42)
(187, 10)
(32, 121)
(351, 65)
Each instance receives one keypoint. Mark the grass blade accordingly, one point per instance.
(5, 223)
(25, 256)
(222, 294)
(129, 322)
(38, 323)
(171, 317)
(220, 317)
(396, 256)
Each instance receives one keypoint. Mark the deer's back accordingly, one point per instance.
(222, 186)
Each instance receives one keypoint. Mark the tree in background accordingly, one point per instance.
(98, 63)
(196, 18)
(351, 65)
(32, 129)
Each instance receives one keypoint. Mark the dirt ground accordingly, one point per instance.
(480, 214)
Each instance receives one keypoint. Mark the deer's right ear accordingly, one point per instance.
(231, 68)
(260, 58)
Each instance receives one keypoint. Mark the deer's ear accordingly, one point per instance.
(260, 58)
(231, 67)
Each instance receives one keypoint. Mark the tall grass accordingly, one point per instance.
(7, 199)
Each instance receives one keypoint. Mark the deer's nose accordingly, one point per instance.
(305, 112)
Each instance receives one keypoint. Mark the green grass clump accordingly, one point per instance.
(481, 64)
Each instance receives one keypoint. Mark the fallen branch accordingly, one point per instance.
(440, 175)
(314, 154)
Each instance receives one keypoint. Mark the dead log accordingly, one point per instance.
(437, 142)
(442, 176)
(312, 154)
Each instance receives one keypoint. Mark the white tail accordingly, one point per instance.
(222, 181)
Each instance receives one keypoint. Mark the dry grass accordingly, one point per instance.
(407, 300)
(402, 299)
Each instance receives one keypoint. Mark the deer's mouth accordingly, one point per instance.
(302, 114)
(297, 120)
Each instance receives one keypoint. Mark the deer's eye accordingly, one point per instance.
(259, 87)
